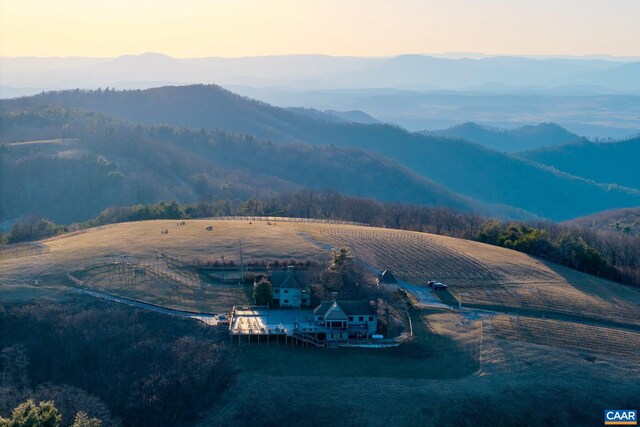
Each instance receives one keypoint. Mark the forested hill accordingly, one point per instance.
(611, 162)
(88, 162)
(624, 221)
(463, 167)
(510, 140)
(197, 106)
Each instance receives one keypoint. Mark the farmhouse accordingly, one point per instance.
(344, 319)
(329, 324)
(288, 290)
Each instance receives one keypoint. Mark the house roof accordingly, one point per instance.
(388, 276)
(285, 279)
(322, 308)
(339, 310)
(335, 312)
(357, 307)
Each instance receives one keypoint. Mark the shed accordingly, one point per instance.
(388, 277)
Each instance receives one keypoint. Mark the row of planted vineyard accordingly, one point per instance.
(412, 257)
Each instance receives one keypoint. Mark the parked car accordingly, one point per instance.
(439, 286)
(431, 282)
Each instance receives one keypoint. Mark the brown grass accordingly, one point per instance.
(460, 369)
(478, 274)
(457, 373)
(484, 275)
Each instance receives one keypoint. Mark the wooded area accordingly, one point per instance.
(115, 363)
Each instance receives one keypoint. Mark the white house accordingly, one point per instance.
(344, 319)
(288, 290)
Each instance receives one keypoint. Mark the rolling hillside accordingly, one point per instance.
(525, 328)
(109, 162)
(510, 140)
(462, 167)
(621, 220)
(606, 162)
(480, 275)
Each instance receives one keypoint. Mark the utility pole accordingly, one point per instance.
(222, 257)
(241, 244)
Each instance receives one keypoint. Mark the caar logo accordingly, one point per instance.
(620, 417)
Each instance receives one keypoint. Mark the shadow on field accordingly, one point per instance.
(446, 297)
(430, 355)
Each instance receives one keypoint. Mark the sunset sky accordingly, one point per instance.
(231, 28)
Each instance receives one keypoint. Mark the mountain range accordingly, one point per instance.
(510, 140)
(309, 150)
(322, 71)
(589, 114)
(590, 96)
(612, 162)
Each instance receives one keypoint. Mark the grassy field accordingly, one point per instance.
(537, 344)
(481, 275)
(444, 348)
(91, 254)
(458, 372)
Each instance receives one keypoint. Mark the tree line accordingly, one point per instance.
(611, 255)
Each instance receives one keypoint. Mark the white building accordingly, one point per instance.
(288, 290)
(344, 319)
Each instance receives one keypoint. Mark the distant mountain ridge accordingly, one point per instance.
(414, 91)
(510, 140)
(410, 70)
(353, 116)
(606, 162)
(462, 167)
(108, 162)
(577, 109)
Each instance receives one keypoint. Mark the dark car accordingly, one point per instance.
(439, 286)
(431, 282)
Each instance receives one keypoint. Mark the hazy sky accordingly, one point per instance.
(196, 28)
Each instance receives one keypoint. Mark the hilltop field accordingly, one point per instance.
(513, 338)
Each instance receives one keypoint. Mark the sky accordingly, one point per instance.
(235, 28)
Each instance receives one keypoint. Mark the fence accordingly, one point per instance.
(288, 219)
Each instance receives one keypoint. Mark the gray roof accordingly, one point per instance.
(388, 276)
(353, 308)
(285, 279)
(335, 312)
(322, 308)
(338, 310)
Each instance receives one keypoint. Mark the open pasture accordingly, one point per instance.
(258, 240)
(157, 284)
(455, 370)
(487, 276)
(416, 257)
(127, 259)
(606, 342)
(479, 275)
(470, 365)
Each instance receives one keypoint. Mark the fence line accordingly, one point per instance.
(288, 219)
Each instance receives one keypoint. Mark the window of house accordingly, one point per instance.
(286, 291)
(370, 318)
(350, 318)
(361, 318)
(286, 301)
